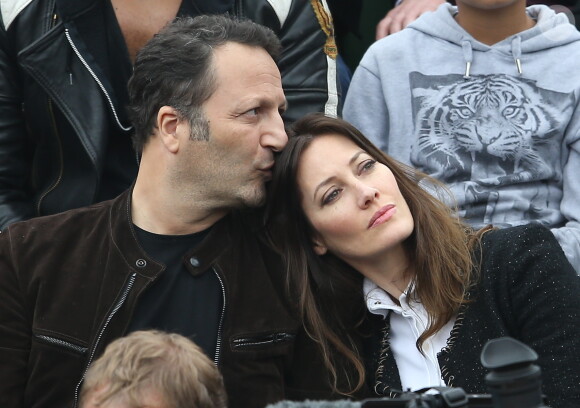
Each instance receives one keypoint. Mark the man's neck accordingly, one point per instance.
(169, 213)
(493, 26)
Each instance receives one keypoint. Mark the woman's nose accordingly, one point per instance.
(366, 195)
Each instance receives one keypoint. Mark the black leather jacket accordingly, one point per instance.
(61, 307)
(58, 108)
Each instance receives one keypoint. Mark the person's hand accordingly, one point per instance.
(404, 14)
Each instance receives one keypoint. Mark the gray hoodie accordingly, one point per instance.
(499, 124)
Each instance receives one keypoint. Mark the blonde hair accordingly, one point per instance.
(145, 362)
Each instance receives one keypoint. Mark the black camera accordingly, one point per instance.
(435, 397)
(514, 381)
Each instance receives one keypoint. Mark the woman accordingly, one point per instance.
(360, 233)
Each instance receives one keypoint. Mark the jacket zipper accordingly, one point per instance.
(53, 22)
(261, 340)
(102, 331)
(97, 80)
(218, 344)
(62, 343)
(61, 167)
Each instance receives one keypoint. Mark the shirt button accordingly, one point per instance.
(194, 261)
(141, 263)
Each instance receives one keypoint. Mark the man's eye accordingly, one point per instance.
(330, 197)
(251, 112)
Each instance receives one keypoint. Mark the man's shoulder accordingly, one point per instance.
(76, 222)
(245, 230)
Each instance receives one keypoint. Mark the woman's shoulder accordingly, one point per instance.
(524, 250)
(527, 237)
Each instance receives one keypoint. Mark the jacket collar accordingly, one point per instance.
(125, 239)
(205, 255)
(198, 260)
(71, 9)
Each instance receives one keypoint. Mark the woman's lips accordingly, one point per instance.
(384, 214)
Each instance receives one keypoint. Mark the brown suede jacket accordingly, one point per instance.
(69, 284)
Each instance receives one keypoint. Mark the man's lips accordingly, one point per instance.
(267, 171)
(384, 214)
(267, 167)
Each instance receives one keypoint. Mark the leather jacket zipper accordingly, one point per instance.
(116, 308)
(61, 166)
(97, 80)
(52, 24)
(218, 344)
(62, 343)
(272, 338)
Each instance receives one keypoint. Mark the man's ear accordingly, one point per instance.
(318, 246)
(168, 123)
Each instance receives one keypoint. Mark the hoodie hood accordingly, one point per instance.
(551, 30)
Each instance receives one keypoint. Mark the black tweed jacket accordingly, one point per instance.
(527, 290)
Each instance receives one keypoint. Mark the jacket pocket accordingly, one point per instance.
(61, 343)
(256, 341)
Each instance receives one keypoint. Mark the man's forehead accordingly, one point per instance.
(232, 58)
(247, 73)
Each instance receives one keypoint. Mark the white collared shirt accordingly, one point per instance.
(408, 321)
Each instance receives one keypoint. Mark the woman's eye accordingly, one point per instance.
(330, 197)
(368, 165)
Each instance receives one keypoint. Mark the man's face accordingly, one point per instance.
(245, 128)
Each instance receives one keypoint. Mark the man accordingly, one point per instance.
(153, 369)
(471, 96)
(177, 252)
(64, 66)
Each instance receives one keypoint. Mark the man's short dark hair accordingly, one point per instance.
(175, 69)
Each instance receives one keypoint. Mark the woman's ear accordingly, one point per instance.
(319, 247)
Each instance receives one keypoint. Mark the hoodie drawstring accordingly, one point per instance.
(468, 56)
(517, 52)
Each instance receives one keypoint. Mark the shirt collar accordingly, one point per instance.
(378, 301)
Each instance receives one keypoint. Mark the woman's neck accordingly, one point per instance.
(392, 272)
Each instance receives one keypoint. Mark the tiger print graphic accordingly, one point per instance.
(486, 133)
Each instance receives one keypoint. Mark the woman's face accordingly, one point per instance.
(352, 201)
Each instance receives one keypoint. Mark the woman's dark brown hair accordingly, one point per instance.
(329, 290)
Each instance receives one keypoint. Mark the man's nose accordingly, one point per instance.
(274, 136)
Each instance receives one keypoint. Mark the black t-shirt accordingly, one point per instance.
(177, 301)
